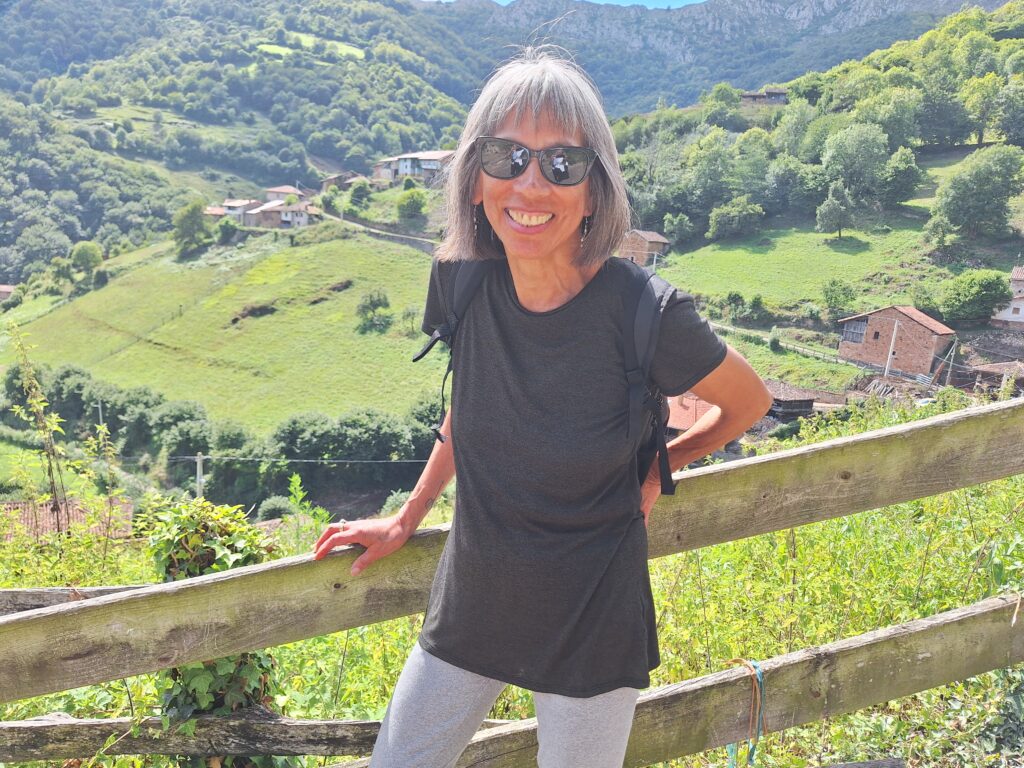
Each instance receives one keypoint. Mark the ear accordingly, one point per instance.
(478, 192)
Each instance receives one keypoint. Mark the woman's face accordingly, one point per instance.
(533, 218)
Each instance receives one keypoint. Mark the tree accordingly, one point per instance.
(836, 212)
(943, 120)
(837, 295)
(900, 177)
(86, 256)
(369, 309)
(191, 229)
(976, 198)
(1011, 111)
(708, 168)
(973, 296)
(856, 156)
(737, 217)
(895, 111)
(721, 107)
(752, 152)
(411, 203)
(677, 227)
(359, 195)
(980, 96)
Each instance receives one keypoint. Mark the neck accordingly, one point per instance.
(542, 285)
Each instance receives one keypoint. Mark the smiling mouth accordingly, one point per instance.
(529, 219)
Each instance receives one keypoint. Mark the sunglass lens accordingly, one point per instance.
(567, 165)
(503, 159)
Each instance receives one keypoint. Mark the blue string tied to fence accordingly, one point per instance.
(756, 726)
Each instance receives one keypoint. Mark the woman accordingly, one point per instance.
(543, 582)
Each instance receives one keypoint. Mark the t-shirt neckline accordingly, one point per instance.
(511, 291)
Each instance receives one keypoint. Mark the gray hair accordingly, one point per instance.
(536, 81)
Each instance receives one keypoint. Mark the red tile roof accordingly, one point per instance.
(1014, 367)
(287, 189)
(38, 519)
(651, 237)
(214, 210)
(912, 313)
(1017, 273)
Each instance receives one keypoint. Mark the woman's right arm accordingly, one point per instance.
(382, 536)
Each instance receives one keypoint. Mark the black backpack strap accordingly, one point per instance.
(456, 296)
(645, 300)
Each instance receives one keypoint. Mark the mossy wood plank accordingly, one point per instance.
(106, 638)
(839, 477)
(207, 617)
(15, 600)
(59, 736)
(675, 720)
(800, 687)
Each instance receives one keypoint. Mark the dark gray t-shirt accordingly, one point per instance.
(543, 582)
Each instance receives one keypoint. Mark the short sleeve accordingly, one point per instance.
(687, 350)
(434, 313)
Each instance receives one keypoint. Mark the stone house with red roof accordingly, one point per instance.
(918, 341)
(1012, 315)
(641, 246)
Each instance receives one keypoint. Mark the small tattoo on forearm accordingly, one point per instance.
(428, 504)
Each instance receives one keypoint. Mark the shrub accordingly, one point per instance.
(193, 538)
(409, 183)
(274, 507)
(359, 195)
(226, 229)
(411, 204)
(737, 217)
(973, 296)
(371, 314)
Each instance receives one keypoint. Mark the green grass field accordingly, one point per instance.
(794, 368)
(883, 256)
(382, 208)
(185, 330)
(788, 266)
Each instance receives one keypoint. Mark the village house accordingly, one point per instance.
(1012, 315)
(767, 96)
(6, 291)
(918, 341)
(423, 166)
(641, 246)
(343, 179)
(235, 208)
(992, 376)
(282, 192)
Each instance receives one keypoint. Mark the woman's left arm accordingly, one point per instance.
(739, 398)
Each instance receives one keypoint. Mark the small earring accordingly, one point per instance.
(584, 228)
(476, 220)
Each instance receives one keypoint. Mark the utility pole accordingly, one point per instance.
(99, 405)
(892, 346)
(199, 475)
(949, 365)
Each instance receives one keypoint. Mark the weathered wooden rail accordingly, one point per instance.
(65, 645)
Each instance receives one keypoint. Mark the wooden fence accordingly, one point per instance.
(61, 645)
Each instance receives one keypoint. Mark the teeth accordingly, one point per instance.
(528, 220)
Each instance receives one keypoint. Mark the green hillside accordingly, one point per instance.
(256, 333)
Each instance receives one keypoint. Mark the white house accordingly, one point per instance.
(1012, 315)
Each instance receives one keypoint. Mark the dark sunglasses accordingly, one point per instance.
(504, 159)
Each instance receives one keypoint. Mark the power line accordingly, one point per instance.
(298, 461)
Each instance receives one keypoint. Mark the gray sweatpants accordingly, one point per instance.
(437, 707)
